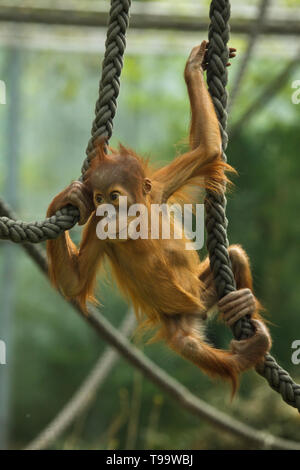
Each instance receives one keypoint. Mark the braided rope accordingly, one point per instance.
(50, 228)
(109, 88)
(216, 222)
(36, 232)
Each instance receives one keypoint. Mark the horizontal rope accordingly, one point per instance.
(37, 232)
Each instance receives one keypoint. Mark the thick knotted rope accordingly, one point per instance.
(216, 222)
(36, 232)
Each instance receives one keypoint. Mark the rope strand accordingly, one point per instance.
(216, 222)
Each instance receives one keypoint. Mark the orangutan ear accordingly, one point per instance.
(147, 185)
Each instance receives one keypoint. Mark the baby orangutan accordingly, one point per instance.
(163, 280)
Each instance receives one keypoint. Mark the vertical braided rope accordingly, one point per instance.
(112, 65)
(216, 222)
(64, 219)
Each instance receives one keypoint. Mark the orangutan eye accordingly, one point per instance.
(99, 198)
(114, 195)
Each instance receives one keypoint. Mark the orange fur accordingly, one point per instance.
(168, 286)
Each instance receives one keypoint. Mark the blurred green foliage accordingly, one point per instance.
(53, 349)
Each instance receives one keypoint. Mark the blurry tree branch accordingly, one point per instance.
(184, 398)
(253, 36)
(84, 395)
(141, 18)
(265, 96)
